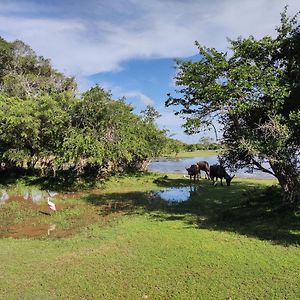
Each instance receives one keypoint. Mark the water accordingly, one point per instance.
(34, 195)
(179, 165)
(174, 194)
(178, 194)
(51, 228)
(3, 196)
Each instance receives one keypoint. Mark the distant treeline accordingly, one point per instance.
(46, 128)
(195, 147)
(175, 146)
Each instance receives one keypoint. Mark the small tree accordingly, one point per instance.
(150, 114)
(254, 93)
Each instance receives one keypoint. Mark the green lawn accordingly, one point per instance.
(223, 243)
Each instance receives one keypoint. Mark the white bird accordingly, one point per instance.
(51, 205)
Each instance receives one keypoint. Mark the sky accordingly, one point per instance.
(129, 46)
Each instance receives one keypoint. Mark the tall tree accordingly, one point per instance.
(25, 74)
(43, 126)
(107, 134)
(254, 93)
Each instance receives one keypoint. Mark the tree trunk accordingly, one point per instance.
(288, 179)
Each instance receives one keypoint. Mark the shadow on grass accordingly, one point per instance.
(67, 182)
(247, 209)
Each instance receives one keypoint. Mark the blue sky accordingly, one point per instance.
(129, 46)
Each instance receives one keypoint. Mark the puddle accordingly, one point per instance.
(178, 194)
(51, 227)
(31, 217)
(3, 197)
(52, 193)
(25, 214)
(34, 195)
(37, 196)
(29, 220)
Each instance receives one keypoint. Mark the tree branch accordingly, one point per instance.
(261, 168)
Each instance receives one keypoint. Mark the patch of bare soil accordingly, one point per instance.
(26, 219)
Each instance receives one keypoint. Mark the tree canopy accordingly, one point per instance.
(253, 92)
(46, 127)
(25, 74)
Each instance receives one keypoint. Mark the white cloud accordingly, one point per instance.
(99, 36)
(145, 100)
(130, 95)
(86, 45)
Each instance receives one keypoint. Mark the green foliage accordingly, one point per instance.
(45, 127)
(80, 146)
(253, 93)
(150, 114)
(55, 115)
(24, 74)
(204, 144)
(124, 138)
(19, 129)
(174, 146)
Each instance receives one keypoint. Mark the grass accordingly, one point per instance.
(223, 243)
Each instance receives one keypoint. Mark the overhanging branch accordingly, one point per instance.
(261, 168)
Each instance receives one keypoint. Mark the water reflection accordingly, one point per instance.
(33, 194)
(51, 227)
(52, 193)
(37, 196)
(178, 194)
(3, 197)
(26, 195)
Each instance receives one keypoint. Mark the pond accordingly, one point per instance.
(178, 165)
(178, 194)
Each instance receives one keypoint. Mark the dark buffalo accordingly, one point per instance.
(217, 171)
(193, 171)
(204, 166)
